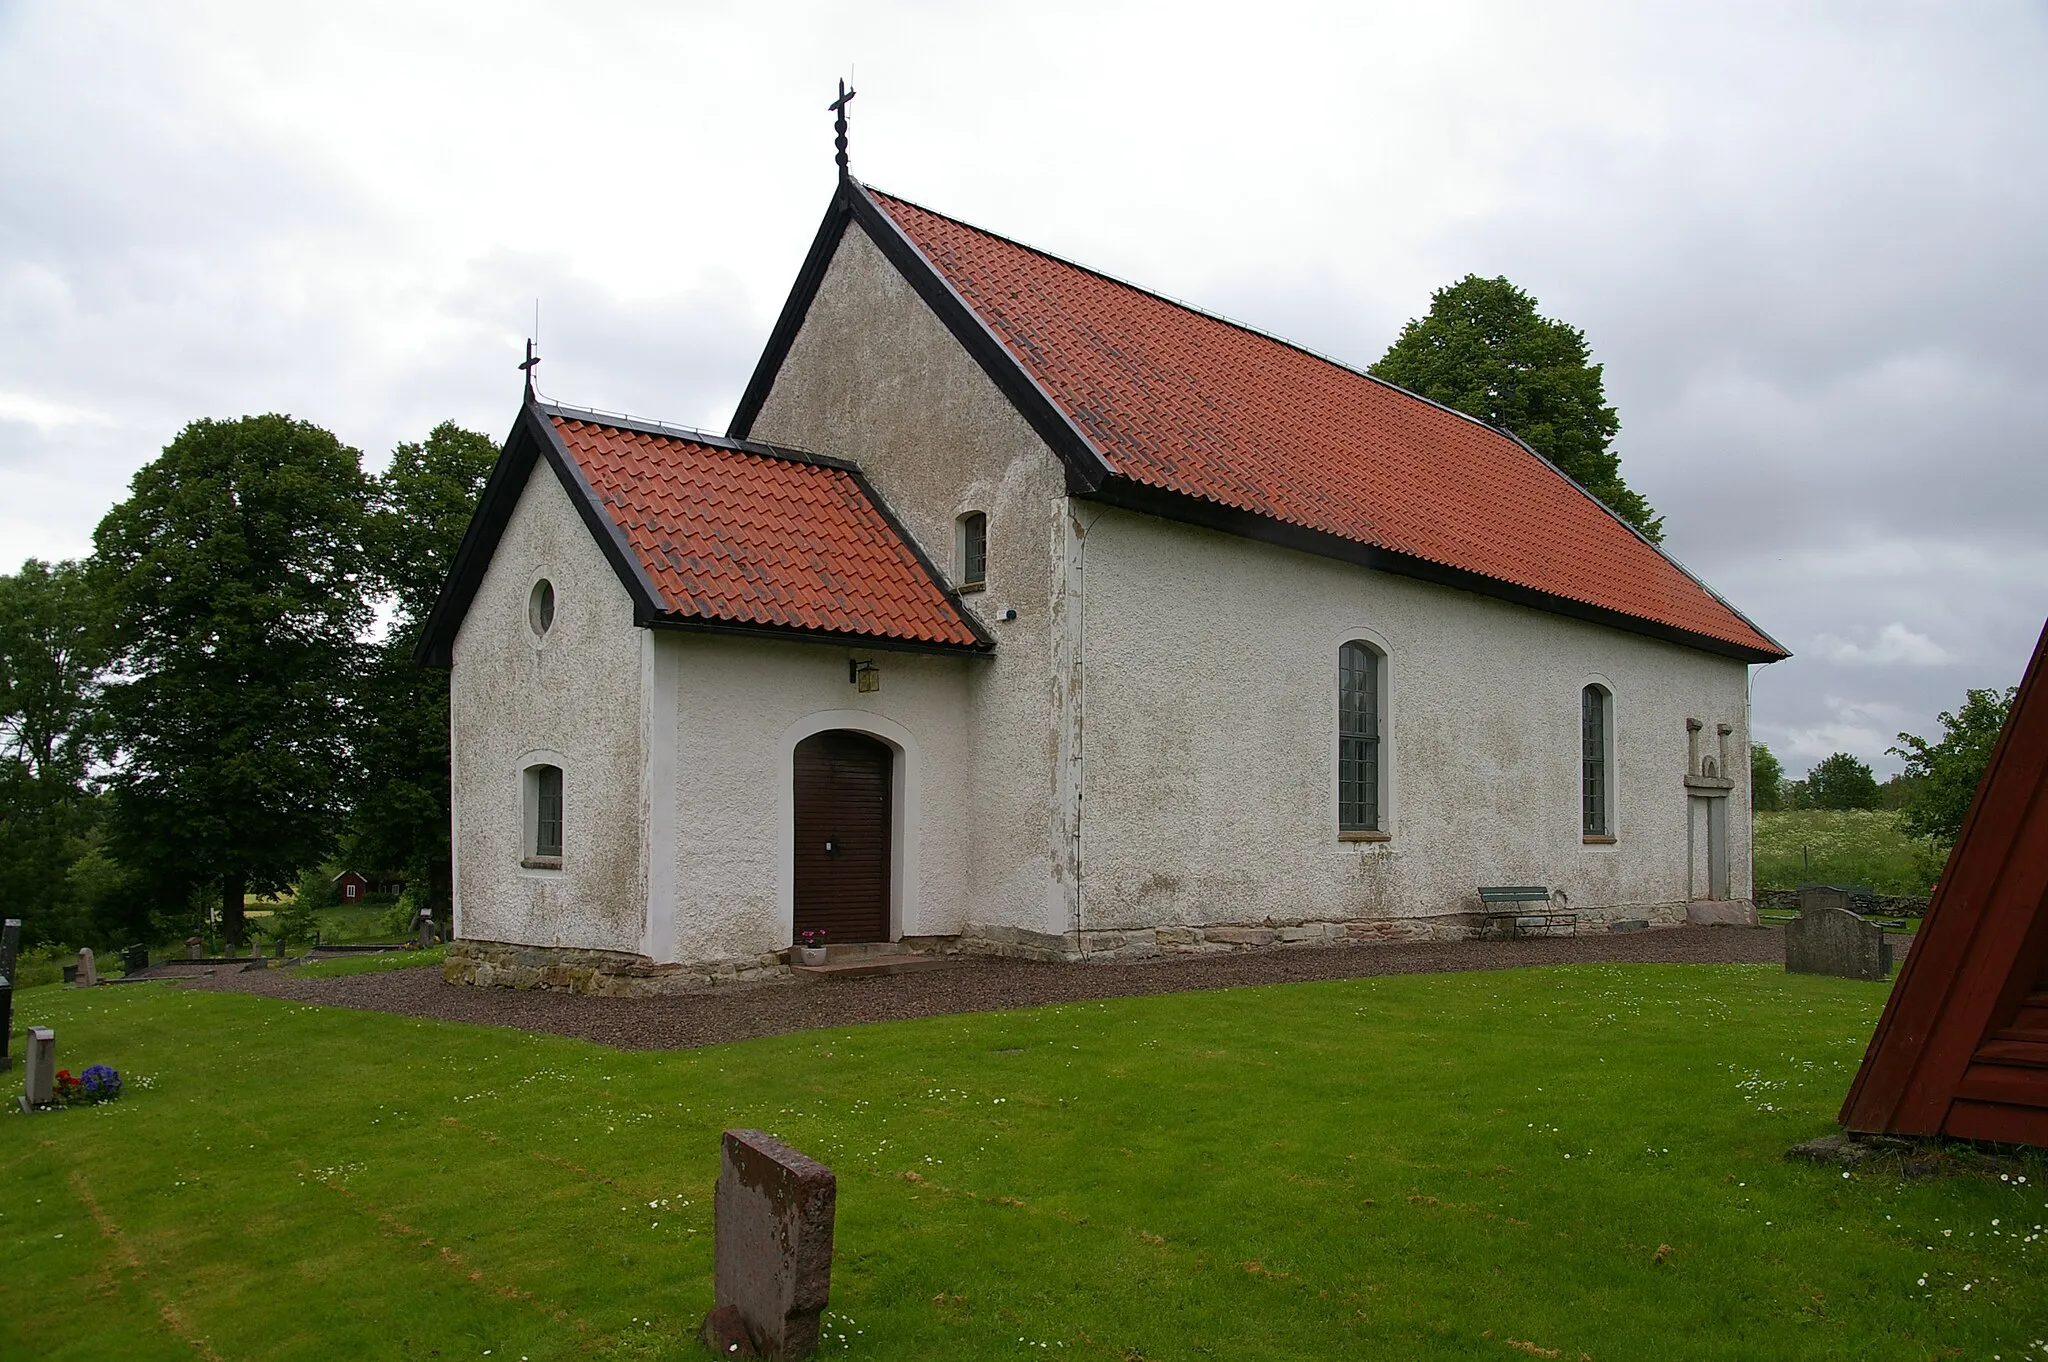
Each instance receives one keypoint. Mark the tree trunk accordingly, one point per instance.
(233, 927)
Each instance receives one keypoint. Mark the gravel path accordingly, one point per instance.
(969, 984)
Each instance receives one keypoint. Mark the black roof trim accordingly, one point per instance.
(1085, 468)
(789, 633)
(1129, 495)
(795, 308)
(1084, 486)
(534, 437)
(1658, 548)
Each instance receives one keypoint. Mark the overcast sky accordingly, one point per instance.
(1807, 243)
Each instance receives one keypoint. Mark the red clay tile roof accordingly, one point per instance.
(749, 535)
(1176, 399)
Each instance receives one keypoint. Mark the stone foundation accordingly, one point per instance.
(621, 974)
(599, 974)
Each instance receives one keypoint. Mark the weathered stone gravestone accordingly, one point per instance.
(88, 971)
(773, 1247)
(1815, 896)
(195, 949)
(42, 1068)
(1836, 941)
(425, 923)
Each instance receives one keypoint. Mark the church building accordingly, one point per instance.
(1022, 610)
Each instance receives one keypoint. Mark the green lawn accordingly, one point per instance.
(1449, 1166)
(1851, 846)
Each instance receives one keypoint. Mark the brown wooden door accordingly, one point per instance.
(843, 811)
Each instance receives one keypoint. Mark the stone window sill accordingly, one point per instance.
(969, 588)
(541, 863)
(1365, 836)
(1594, 839)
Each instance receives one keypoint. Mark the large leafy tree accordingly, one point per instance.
(1840, 782)
(233, 583)
(1766, 780)
(51, 655)
(1484, 350)
(423, 503)
(1945, 773)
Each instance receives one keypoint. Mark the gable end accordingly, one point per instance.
(533, 437)
(1085, 469)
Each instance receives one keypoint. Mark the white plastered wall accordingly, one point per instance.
(572, 698)
(875, 377)
(1209, 773)
(740, 705)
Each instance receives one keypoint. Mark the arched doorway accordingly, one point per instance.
(844, 805)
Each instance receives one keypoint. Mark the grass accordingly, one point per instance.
(345, 925)
(1485, 1165)
(373, 964)
(1853, 846)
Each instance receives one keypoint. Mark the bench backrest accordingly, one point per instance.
(1513, 893)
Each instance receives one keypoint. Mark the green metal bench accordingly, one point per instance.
(1512, 909)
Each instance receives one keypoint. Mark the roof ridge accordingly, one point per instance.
(1205, 314)
(642, 425)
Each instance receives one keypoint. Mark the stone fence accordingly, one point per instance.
(1865, 905)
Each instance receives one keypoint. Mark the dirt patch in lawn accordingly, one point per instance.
(969, 984)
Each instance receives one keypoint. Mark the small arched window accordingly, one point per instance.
(543, 818)
(1596, 726)
(970, 551)
(1358, 739)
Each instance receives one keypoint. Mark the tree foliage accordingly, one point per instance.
(1946, 773)
(52, 651)
(422, 506)
(1766, 780)
(1840, 782)
(1485, 351)
(232, 580)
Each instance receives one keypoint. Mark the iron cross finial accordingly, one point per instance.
(532, 363)
(838, 106)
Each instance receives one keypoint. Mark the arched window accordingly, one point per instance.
(540, 608)
(1358, 739)
(543, 818)
(970, 551)
(1596, 727)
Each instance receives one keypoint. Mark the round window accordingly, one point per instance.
(540, 607)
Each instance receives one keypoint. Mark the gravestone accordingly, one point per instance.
(1836, 941)
(772, 1244)
(42, 1068)
(135, 960)
(425, 923)
(88, 971)
(1815, 896)
(10, 945)
(195, 949)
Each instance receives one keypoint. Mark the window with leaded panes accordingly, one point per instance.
(1594, 716)
(1358, 739)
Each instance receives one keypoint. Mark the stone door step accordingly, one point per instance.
(872, 964)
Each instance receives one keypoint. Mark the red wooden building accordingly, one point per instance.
(350, 888)
(1962, 1048)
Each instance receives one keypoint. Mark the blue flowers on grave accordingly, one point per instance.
(99, 1083)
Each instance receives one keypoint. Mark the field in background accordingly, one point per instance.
(1851, 847)
(1489, 1165)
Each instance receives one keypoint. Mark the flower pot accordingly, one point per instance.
(810, 955)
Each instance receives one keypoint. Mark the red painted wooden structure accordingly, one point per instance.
(1962, 1048)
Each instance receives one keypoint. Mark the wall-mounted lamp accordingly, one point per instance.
(865, 676)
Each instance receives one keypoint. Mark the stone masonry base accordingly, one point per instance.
(621, 974)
